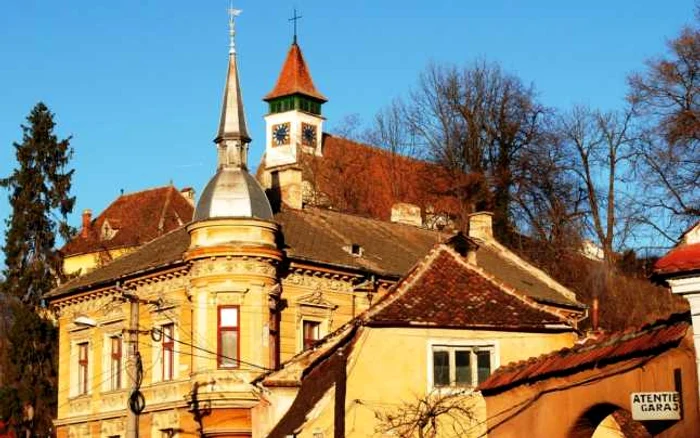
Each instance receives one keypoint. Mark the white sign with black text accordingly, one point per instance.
(656, 405)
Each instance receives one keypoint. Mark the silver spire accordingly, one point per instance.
(232, 138)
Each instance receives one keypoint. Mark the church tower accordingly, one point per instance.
(294, 126)
(233, 283)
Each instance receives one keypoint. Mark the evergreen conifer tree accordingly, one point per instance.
(39, 197)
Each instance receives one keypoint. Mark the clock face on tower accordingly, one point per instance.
(280, 134)
(308, 134)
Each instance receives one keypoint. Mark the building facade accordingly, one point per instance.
(213, 326)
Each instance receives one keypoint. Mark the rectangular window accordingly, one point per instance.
(83, 368)
(115, 363)
(461, 366)
(311, 333)
(168, 340)
(228, 337)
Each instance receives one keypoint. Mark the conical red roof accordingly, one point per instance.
(294, 78)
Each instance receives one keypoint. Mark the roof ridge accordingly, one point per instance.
(609, 339)
(538, 273)
(411, 277)
(150, 189)
(501, 286)
(310, 209)
(123, 259)
(161, 221)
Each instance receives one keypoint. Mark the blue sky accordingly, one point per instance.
(138, 83)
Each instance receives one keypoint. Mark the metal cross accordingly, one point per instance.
(295, 18)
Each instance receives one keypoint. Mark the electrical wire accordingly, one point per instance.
(219, 355)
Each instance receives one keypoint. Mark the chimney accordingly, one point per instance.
(188, 193)
(595, 315)
(87, 218)
(287, 187)
(481, 225)
(408, 214)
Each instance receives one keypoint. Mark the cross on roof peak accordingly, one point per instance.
(294, 19)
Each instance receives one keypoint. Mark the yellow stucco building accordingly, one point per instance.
(247, 320)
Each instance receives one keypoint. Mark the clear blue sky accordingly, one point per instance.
(138, 83)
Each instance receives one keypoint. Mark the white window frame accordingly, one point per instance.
(456, 344)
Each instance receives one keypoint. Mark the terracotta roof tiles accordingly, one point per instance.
(136, 218)
(683, 258)
(294, 77)
(368, 191)
(450, 292)
(608, 349)
(326, 237)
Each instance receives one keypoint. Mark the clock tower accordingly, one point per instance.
(294, 127)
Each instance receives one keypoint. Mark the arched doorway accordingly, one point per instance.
(607, 421)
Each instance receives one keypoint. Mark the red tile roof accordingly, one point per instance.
(375, 179)
(611, 348)
(294, 78)
(447, 291)
(137, 218)
(325, 237)
(441, 291)
(683, 258)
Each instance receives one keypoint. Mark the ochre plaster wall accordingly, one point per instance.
(389, 366)
(84, 263)
(552, 407)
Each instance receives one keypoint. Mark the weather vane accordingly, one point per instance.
(232, 14)
(295, 18)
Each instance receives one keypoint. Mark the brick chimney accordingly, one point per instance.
(404, 213)
(481, 225)
(87, 218)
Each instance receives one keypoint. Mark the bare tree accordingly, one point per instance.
(549, 203)
(477, 120)
(667, 95)
(432, 415)
(601, 150)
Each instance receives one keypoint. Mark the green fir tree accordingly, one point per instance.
(39, 196)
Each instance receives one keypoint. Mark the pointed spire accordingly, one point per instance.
(295, 78)
(232, 137)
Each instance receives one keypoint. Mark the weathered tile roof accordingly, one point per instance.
(442, 290)
(326, 237)
(447, 291)
(294, 77)
(683, 258)
(164, 251)
(374, 179)
(608, 349)
(137, 218)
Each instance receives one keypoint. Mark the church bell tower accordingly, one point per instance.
(294, 127)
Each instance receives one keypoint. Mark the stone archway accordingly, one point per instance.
(607, 421)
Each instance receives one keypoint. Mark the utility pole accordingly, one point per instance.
(132, 419)
(134, 369)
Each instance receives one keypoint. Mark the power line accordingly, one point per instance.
(216, 354)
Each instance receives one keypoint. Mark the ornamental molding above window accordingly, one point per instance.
(316, 299)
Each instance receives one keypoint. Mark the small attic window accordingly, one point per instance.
(107, 232)
(354, 249)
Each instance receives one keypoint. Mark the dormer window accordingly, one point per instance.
(354, 249)
(107, 232)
